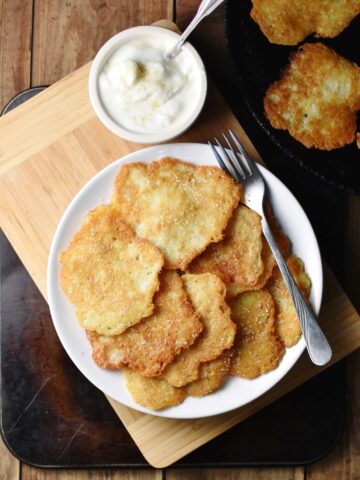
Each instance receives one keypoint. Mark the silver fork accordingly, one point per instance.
(245, 171)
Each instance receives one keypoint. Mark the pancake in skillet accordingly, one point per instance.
(288, 22)
(317, 98)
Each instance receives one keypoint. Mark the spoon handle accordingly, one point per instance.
(205, 8)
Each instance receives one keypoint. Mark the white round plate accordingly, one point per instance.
(237, 391)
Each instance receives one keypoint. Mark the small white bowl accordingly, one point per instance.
(103, 56)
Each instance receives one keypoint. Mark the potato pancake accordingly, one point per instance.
(153, 393)
(288, 22)
(153, 343)
(237, 258)
(317, 98)
(233, 289)
(211, 375)
(109, 274)
(257, 348)
(287, 324)
(207, 294)
(177, 206)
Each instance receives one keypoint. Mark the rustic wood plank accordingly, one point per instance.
(237, 474)
(30, 473)
(68, 34)
(184, 12)
(333, 466)
(9, 465)
(15, 60)
(15, 47)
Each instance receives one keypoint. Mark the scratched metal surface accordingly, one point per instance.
(52, 416)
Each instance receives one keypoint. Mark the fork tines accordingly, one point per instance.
(239, 165)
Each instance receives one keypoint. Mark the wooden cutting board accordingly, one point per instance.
(49, 148)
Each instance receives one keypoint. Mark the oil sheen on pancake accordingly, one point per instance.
(153, 343)
(109, 274)
(180, 208)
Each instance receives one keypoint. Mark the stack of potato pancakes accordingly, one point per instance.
(176, 286)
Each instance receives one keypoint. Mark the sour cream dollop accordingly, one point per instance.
(144, 92)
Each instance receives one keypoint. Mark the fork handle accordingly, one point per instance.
(317, 345)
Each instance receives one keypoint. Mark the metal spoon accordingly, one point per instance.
(206, 7)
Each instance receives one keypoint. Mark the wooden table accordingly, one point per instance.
(44, 40)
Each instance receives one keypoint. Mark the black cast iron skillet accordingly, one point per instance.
(257, 63)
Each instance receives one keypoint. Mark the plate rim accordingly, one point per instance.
(53, 264)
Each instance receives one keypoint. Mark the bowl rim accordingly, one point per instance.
(101, 57)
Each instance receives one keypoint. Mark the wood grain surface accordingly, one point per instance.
(15, 74)
(15, 47)
(67, 34)
(29, 473)
(243, 474)
(50, 64)
(9, 465)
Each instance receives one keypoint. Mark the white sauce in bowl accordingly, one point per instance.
(144, 92)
